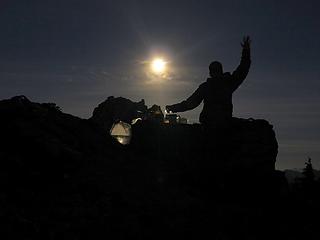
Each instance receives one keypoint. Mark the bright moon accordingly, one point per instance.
(158, 66)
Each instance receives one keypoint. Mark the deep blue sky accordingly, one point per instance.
(78, 52)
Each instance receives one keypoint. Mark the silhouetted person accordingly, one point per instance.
(216, 92)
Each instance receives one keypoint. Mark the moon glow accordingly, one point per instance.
(158, 66)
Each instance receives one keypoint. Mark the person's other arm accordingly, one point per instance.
(242, 70)
(192, 102)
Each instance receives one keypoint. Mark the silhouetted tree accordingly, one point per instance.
(308, 172)
(308, 183)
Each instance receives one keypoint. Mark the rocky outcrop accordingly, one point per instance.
(244, 144)
(61, 173)
(32, 132)
(39, 141)
(241, 157)
(117, 109)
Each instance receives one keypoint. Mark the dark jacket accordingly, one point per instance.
(216, 93)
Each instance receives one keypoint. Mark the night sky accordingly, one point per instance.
(76, 53)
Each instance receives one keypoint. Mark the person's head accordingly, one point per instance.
(215, 69)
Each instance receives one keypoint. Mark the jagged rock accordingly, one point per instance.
(246, 144)
(117, 109)
(42, 138)
(242, 155)
(65, 174)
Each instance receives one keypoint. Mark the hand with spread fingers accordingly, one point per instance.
(246, 41)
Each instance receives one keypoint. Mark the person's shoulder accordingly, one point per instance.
(204, 83)
(202, 86)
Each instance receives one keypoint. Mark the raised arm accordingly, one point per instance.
(242, 70)
(192, 102)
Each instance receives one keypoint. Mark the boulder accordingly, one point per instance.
(117, 109)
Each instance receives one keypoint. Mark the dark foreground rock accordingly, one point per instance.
(115, 109)
(62, 177)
